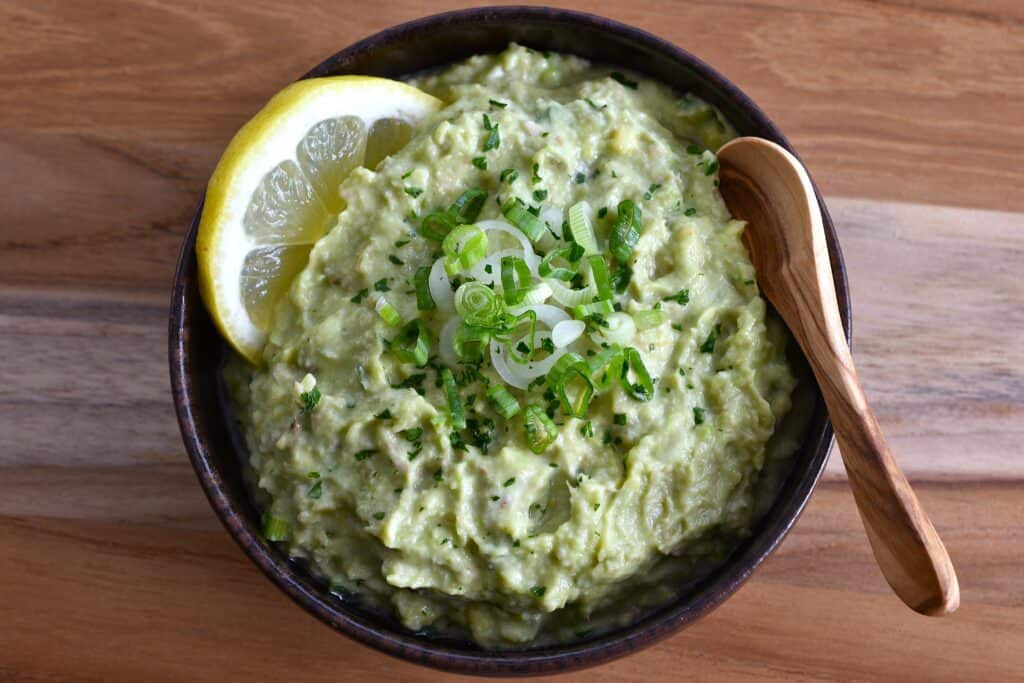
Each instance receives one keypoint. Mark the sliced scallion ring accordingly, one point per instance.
(626, 231)
(541, 431)
(602, 307)
(480, 305)
(643, 388)
(436, 226)
(387, 312)
(504, 402)
(412, 344)
(570, 379)
(606, 367)
(470, 342)
(529, 318)
(421, 280)
(467, 207)
(581, 229)
(570, 255)
(599, 276)
(516, 213)
(451, 393)
(516, 279)
(463, 248)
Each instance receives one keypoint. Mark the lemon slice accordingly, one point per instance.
(275, 191)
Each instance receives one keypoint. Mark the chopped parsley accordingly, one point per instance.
(540, 195)
(698, 416)
(493, 140)
(438, 475)
(711, 167)
(365, 453)
(509, 482)
(381, 285)
(693, 149)
(619, 418)
(690, 211)
(414, 191)
(602, 212)
(406, 175)
(401, 243)
(394, 259)
(480, 162)
(682, 297)
(539, 591)
(309, 399)
(358, 298)
(709, 344)
(384, 415)
(587, 429)
(620, 77)
(499, 105)
(581, 178)
(593, 105)
(536, 174)
(509, 175)
(651, 190)
(412, 434)
(378, 516)
(316, 490)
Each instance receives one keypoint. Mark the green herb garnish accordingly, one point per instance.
(309, 400)
(414, 191)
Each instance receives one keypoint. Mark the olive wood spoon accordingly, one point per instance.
(768, 187)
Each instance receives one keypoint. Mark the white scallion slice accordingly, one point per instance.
(620, 329)
(566, 332)
(441, 287)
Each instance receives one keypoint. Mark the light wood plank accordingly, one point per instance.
(97, 601)
(121, 109)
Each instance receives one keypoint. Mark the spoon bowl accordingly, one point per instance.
(768, 187)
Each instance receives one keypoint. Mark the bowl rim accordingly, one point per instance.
(412, 647)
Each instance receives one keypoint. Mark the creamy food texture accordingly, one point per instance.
(356, 454)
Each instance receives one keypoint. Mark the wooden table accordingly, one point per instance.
(910, 116)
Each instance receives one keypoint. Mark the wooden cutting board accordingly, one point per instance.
(112, 114)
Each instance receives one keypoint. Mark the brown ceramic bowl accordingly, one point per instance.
(197, 352)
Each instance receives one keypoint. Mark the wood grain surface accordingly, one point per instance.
(112, 114)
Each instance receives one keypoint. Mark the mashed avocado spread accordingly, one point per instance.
(527, 378)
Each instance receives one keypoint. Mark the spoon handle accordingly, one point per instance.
(906, 546)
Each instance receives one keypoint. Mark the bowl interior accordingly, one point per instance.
(197, 351)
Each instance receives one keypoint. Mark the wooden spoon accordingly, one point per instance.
(768, 187)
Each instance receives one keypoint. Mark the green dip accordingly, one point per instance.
(354, 452)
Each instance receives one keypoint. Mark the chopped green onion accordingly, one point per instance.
(464, 247)
(436, 226)
(515, 279)
(470, 342)
(541, 431)
(388, 312)
(316, 490)
(620, 281)
(581, 229)
(421, 280)
(530, 318)
(626, 231)
(599, 273)
(601, 307)
(480, 305)
(451, 393)
(274, 528)
(568, 370)
(496, 103)
(517, 214)
(645, 320)
(571, 254)
(606, 367)
(643, 390)
(504, 402)
(412, 344)
(493, 140)
(467, 207)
